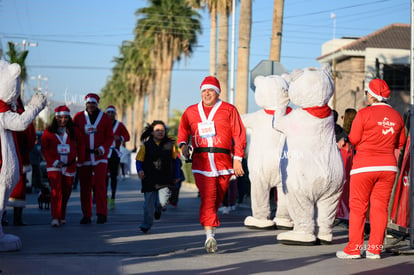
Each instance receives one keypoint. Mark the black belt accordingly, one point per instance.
(211, 150)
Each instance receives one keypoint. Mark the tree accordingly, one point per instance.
(277, 25)
(171, 27)
(242, 84)
(19, 57)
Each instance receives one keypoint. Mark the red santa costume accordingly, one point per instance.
(376, 132)
(60, 148)
(121, 135)
(96, 129)
(216, 132)
(26, 141)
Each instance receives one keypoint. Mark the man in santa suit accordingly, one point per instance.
(121, 136)
(96, 128)
(376, 132)
(217, 132)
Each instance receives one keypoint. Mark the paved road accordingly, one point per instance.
(173, 246)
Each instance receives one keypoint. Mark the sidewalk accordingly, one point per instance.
(173, 246)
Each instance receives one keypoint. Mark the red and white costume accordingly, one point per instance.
(61, 148)
(376, 132)
(92, 171)
(212, 170)
(120, 130)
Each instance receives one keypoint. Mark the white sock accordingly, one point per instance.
(210, 233)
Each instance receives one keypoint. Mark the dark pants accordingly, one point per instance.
(113, 169)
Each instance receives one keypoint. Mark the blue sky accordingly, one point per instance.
(78, 40)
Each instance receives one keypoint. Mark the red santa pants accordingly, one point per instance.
(93, 178)
(373, 188)
(212, 190)
(61, 186)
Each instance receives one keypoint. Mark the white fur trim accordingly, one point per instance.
(374, 169)
(209, 86)
(380, 98)
(63, 113)
(110, 110)
(91, 99)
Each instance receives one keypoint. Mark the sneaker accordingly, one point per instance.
(101, 219)
(372, 256)
(210, 245)
(157, 215)
(62, 221)
(111, 204)
(343, 255)
(86, 220)
(144, 229)
(55, 223)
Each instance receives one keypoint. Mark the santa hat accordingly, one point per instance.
(62, 111)
(378, 88)
(110, 108)
(210, 82)
(92, 98)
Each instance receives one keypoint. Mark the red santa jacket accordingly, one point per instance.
(96, 135)
(62, 148)
(120, 130)
(216, 133)
(376, 132)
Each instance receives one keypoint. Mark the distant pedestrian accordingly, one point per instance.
(121, 135)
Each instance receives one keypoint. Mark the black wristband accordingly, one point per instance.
(346, 139)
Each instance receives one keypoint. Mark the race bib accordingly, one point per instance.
(206, 129)
(63, 149)
(90, 129)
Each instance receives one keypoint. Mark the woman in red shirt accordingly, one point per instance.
(376, 132)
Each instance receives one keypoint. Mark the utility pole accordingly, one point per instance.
(40, 78)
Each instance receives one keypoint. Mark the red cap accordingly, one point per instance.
(210, 82)
(92, 98)
(62, 110)
(378, 88)
(110, 108)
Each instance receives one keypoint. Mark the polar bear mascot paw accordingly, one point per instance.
(264, 224)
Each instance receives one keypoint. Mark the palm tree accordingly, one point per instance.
(224, 8)
(242, 84)
(19, 57)
(277, 25)
(171, 27)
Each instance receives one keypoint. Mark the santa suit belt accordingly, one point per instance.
(211, 150)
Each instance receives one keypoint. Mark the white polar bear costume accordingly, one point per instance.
(265, 150)
(11, 121)
(313, 172)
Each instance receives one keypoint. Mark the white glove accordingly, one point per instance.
(38, 101)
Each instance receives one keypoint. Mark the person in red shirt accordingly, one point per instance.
(61, 144)
(216, 131)
(97, 134)
(121, 135)
(376, 132)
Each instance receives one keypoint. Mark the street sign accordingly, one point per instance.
(265, 68)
